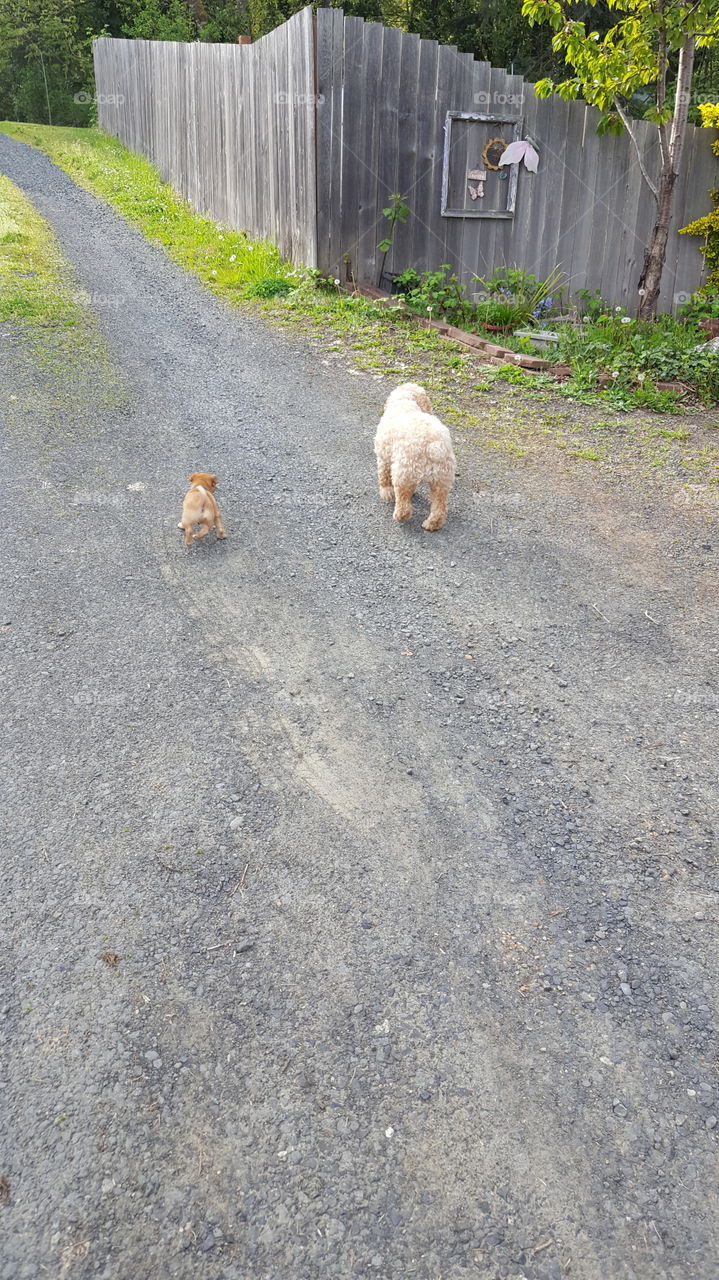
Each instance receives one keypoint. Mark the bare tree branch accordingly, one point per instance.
(681, 105)
(642, 167)
(662, 88)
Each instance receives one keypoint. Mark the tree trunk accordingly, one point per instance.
(651, 277)
(199, 13)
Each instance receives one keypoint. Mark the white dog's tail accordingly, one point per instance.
(437, 450)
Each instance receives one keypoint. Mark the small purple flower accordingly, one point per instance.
(541, 307)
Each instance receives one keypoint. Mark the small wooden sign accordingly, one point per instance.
(475, 182)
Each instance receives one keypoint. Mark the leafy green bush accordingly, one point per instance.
(505, 280)
(515, 297)
(324, 283)
(532, 299)
(271, 287)
(592, 305)
(638, 354)
(703, 305)
(439, 294)
(502, 315)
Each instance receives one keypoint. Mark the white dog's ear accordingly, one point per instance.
(423, 400)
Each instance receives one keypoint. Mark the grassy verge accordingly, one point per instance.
(507, 411)
(47, 319)
(228, 261)
(35, 286)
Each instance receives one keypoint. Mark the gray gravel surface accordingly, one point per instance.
(404, 841)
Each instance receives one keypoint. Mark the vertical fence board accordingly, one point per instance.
(353, 142)
(330, 92)
(425, 249)
(387, 133)
(406, 127)
(371, 224)
(447, 242)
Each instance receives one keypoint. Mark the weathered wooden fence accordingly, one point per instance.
(232, 127)
(382, 118)
(303, 136)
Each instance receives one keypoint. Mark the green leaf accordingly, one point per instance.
(658, 117)
(610, 123)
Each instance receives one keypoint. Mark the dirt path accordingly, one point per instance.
(404, 841)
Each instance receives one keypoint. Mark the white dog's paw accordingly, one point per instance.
(386, 493)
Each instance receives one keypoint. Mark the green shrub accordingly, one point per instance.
(638, 354)
(703, 305)
(439, 294)
(271, 287)
(506, 280)
(531, 298)
(592, 305)
(515, 297)
(501, 314)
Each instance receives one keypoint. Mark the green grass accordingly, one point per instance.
(506, 410)
(36, 288)
(227, 261)
(64, 374)
(589, 455)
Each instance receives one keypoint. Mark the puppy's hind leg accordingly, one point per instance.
(219, 527)
(203, 532)
(438, 493)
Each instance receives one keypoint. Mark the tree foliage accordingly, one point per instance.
(638, 50)
(652, 43)
(46, 45)
(45, 56)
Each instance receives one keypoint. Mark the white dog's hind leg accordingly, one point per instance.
(403, 495)
(384, 479)
(439, 492)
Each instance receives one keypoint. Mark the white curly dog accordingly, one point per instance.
(413, 447)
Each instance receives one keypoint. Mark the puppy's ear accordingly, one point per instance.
(213, 481)
(195, 477)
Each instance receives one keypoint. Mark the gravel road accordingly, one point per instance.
(399, 847)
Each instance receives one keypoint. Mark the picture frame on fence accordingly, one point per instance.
(473, 183)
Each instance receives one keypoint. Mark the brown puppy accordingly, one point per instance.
(200, 507)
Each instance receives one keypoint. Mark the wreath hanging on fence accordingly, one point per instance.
(492, 153)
